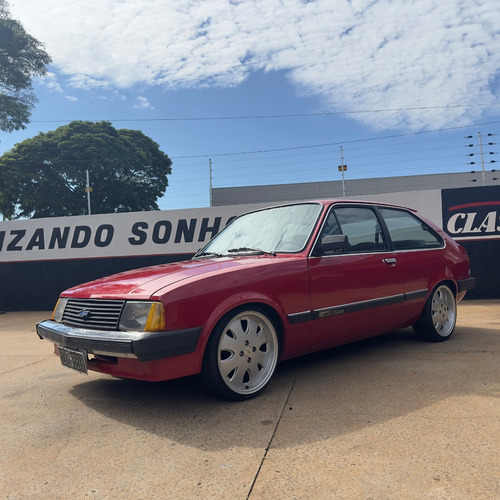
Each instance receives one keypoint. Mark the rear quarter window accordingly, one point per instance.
(408, 232)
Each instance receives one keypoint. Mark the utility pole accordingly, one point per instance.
(482, 158)
(88, 189)
(342, 169)
(481, 154)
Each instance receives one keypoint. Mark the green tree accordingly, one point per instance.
(45, 176)
(21, 58)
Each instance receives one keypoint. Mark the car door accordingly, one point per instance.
(356, 289)
(418, 250)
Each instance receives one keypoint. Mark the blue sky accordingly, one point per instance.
(270, 90)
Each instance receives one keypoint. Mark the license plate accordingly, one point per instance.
(76, 360)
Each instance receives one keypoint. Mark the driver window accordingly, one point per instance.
(361, 227)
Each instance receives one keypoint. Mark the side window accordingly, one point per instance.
(360, 227)
(407, 232)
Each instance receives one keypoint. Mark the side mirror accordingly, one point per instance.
(332, 243)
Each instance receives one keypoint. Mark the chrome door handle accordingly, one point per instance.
(389, 261)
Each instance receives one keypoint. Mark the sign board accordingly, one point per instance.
(472, 217)
(472, 213)
(113, 235)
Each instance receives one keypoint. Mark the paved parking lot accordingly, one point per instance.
(388, 418)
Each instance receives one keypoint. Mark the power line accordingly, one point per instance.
(265, 117)
(352, 141)
(293, 148)
(331, 153)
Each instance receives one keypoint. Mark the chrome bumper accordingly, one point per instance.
(144, 346)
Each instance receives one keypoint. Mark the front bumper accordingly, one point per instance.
(144, 346)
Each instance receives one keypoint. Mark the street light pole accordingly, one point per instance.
(342, 169)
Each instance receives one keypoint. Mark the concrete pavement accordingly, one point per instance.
(387, 418)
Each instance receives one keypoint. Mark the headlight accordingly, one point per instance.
(143, 316)
(57, 315)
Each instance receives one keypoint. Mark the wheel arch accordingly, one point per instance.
(452, 285)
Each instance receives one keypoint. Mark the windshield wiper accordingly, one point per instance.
(207, 254)
(248, 249)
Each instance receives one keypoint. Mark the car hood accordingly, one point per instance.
(143, 283)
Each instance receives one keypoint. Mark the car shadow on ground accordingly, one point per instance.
(329, 393)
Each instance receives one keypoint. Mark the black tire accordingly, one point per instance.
(241, 354)
(438, 319)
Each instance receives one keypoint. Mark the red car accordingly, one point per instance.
(275, 283)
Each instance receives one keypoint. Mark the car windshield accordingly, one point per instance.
(279, 229)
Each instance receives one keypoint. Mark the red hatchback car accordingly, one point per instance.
(275, 283)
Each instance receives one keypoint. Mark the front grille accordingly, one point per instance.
(93, 313)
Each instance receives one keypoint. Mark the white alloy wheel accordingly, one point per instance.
(443, 311)
(242, 355)
(247, 352)
(438, 318)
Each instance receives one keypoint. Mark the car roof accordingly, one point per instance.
(333, 201)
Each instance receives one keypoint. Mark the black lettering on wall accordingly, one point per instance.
(18, 236)
(162, 231)
(205, 228)
(81, 237)
(103, 241)
(58, 238)
(37, 240)
(2, 238)
(183, 230)
(138, 230)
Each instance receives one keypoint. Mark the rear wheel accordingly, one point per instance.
(241, 354)
(437, 321)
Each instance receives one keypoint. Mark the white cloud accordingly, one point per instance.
(357, 54)
(50, 81)
(143, 103)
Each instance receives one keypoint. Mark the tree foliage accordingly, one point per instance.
(45, 176)
(21, 58)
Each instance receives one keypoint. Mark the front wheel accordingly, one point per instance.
(437, 321)
(241, 355)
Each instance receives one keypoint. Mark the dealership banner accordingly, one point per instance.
(472, 217)
(113, 235)
(472, 213)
